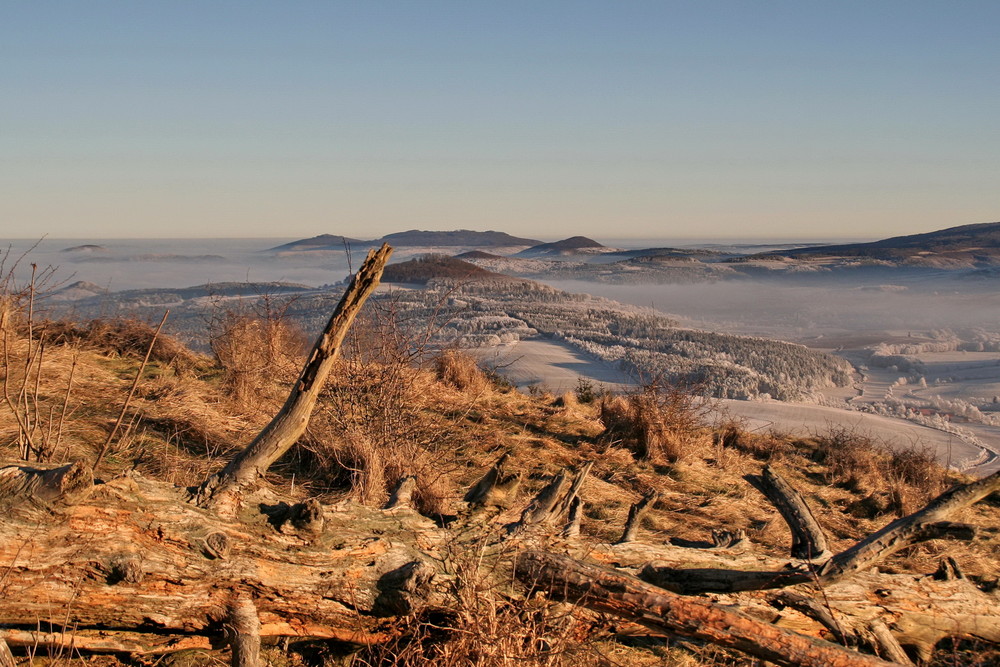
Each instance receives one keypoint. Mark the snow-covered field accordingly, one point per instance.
(558, 367)
(802, 419)
(552, 365)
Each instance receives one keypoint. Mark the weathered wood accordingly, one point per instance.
(921, 525)
(105, 641)
(635, 514)
(66, 484)
(222, 489)
(924, 610)
(731, 540)
(496, 488)
(243, 628)
(814, 610)
(948, 569)
(6, 658)
(323, 587)
(554, 499)
(624, 596)
(887, 644)
(572, 527)
(366, 563)
(808, 539)
(402, 495)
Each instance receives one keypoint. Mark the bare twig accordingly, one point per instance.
(131, 392)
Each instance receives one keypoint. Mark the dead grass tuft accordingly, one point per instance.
(460, 370)
(658, 423)
(256, 354)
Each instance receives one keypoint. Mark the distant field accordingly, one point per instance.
(558, 367)
(800, 419)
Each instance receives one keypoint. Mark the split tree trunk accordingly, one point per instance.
(222, 489)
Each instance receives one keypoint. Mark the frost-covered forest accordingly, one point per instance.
(640, 341)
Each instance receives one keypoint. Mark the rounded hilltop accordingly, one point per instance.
(421, 270)
(87, 248)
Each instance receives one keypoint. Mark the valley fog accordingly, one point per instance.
(828, 316)
(125, 264)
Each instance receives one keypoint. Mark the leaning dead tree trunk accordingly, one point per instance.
(290, 423)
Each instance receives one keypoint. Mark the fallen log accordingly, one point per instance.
(808, 539)
(619, 594)
(921, 525)
(71, 568)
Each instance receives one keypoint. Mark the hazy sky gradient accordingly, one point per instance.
(545, 119)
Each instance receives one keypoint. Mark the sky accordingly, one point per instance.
(699, 119)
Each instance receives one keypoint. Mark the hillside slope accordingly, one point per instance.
(380, 418)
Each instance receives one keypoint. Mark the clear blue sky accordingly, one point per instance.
(610, 119)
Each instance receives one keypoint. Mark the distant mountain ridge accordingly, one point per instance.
(459, 237)
(413, 238)
(982, 238)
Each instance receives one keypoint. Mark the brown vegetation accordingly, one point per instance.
(381, 417)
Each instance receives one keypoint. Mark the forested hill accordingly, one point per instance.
(469, 306)
(641, 342)
(421, 270)
(980, 239)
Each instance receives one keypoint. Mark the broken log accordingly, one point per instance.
(613, 592)
(635, 514)
(572, 527)
(44, 487)
(402, 495)
(223, 488)
(808, 539)
(70, 574)
(554, 499)
(921, 525)
(496, 488)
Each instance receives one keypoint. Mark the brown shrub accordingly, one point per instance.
(899, 481)
(254, 352)
(853, 460)
(459, 370)
(656, 423)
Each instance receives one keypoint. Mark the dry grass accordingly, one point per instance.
(460, 370)
(381, 417)
(656, 422)
(256, 354)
